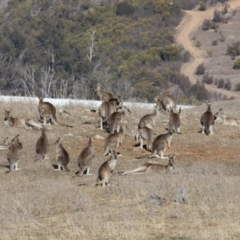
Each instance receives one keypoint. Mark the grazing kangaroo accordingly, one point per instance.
(107, 108)
(149, 120)
(105, 170)
(174, 121)
(146, 134)
(167, 103)
(154, 167)
(222, 118)
(113, 141)
(85, 158)
(104, 96)
(207, 121)
(47, 112)
(20, 122)
(160, 144)
(13, 155)
(115, 119)
(41, 146)
(62, 156)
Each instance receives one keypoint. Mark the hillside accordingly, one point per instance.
(62, 49)
(210, 47)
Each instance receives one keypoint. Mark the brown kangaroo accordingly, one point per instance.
(104, 96)
(85, 158)
(13, 154)
(105, 170)
(154, 167)
(47, 112)
(207, 121)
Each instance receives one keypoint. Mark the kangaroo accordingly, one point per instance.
(167, 103)
(13, 155)
(105, 170)
(154, 167)
(62, 156)
(107, 108)
(207, 121)
(41, 146)
(160, 144)
(47, 112)
(174, 121)
(113, 141)
(28, 124)
(85, 158)
(115, 119)
(104, 96)
(222, 118)
(149, 119)
(146, 134)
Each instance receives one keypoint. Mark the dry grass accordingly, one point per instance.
(40, 203)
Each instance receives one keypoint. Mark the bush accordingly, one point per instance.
(199, 91)
(237, 87)
(124, 8)
(202, 6)
(217, 17)
(200, 69)
(236, 64)
(234, 49)
(228, 85)
(221, 83)
(214, 42)
(207, 79)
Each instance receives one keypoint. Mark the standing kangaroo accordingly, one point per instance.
(174, 121)
(47, 112)
(107, 108)
(85, 158)
(149, 119)
(104, 96)
(160, 144)
(41, 146)
(167, 103)
(116, 118)
(13, 154)
(154, 167)
(105, 170)
(207, 121)
(20, 122)
(113, 141)
(62, 156)
(146, 134)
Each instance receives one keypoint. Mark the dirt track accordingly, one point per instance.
(190, 23)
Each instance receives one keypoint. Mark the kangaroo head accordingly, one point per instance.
(209, 107)
(171, 160)
(97, 87)
(7, 114)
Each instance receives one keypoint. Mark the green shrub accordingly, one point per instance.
(200, 69)
(202, 6)
(234, 49)
(236, 64)
(124, 8)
